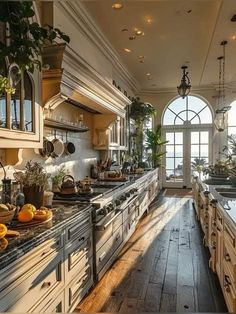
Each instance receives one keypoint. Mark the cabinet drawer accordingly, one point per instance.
(77, 289)
(230, 258)
(36, 284)
(219, 219)
(73, 231)
(103, 254)
(117, 222)
(51, 304)
(229, 235)
(229, 289)
(78, 254)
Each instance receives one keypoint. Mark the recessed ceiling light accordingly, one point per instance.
(148, 20)
(148, 74)
(141, 57)
(132, 38)
(138, 32)
(127, 50)
(117, 6)
(233, 37)
(141, 61)
(124, 30)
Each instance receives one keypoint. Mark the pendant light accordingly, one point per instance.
(220, 120)
(184, 87)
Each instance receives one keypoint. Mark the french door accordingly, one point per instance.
(186, 148)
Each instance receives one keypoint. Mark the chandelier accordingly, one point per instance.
(220, 120)
(184, 87)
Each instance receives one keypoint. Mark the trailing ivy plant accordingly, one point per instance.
(25, 38)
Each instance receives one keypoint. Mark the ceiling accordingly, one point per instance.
(176, 33)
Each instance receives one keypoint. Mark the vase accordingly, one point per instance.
(33, 195)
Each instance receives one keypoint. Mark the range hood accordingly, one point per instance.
(67, 77)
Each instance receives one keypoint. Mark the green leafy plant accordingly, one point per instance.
(60, 173)
(140, 112)
(198, 164)
(229, 151)
(25, 38)
(154, 142)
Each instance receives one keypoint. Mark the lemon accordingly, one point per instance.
(3, 231)
(28, 207)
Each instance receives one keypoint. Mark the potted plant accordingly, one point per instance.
(140, 112)
(57, 178)
(24, 40)
(219, 170)
(198, 164)
(155, 143)
(34, 180)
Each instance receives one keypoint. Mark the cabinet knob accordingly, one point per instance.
(46, 284)
(227, 257)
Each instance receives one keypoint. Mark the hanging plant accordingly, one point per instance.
(24, 40)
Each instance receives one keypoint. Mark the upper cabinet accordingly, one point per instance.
(21, 114)
(110, 132)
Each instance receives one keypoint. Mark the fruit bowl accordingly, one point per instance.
(6, 216)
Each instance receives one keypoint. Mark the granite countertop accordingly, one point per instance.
(228, 204)
(30, 237)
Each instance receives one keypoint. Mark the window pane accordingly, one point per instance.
(196, 120)
(232, 114)
(178, 138)
(204, 150)
(170, 175)
(183, 115)
(168, 118)
(179, 164)
(178, 121)
(231, 130)
(170, 138)
(195, 104)
(2, 111)
(194, 137)
(28, 103)
(178, 105)
(195, 150)
(15, 109)
(204, 137)
(205, 115)
(179, 151)
(170, 164)
(169, 150)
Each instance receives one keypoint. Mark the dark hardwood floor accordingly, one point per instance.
(163, 267)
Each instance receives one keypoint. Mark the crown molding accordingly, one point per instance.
(80, 17)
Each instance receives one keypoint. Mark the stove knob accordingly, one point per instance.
(122, 198)
(110, 207)
(118, 202)
(127, 194)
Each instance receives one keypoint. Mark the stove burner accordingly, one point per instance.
(76, 197)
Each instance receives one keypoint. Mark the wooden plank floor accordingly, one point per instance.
(163, 267)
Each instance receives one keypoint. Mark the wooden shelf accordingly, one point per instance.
(50, 123)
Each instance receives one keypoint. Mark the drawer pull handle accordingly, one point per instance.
(227, 280)
(81, 239)
(45, 252)
(227, 257)
(117, 237)
(46, 284)
(218, 229)
(102, 256)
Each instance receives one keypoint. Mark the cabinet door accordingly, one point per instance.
(219, 253)
(21, 119)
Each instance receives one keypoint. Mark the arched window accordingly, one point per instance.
(191, 110)
(231, 119)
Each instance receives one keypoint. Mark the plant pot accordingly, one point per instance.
(33, 195)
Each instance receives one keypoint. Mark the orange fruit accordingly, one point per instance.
(42, 215)
(25, 216)
(28, 207)
(3, 231)
(3, 244)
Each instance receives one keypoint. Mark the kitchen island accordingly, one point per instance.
(52, 266)
(215, 206)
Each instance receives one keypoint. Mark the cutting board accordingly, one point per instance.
(33, 223)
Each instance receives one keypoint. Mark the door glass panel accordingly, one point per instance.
(195, 150)
(179, 150)
(170, 138)
(204, 137)
(169, 150)
(179, 138)
(170, 175)
(2, 111)
(194, 137)
(170, 163)
(204, 150)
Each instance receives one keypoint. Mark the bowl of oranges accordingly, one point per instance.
(29, 213)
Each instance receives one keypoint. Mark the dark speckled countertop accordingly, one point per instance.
(228, 204)
(30, 237)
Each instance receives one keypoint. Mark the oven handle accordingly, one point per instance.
(103, 227)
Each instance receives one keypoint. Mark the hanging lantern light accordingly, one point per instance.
(184, 87)
(220, 120)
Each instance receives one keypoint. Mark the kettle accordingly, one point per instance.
(68, 185)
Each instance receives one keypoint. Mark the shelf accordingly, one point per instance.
(50, 123)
